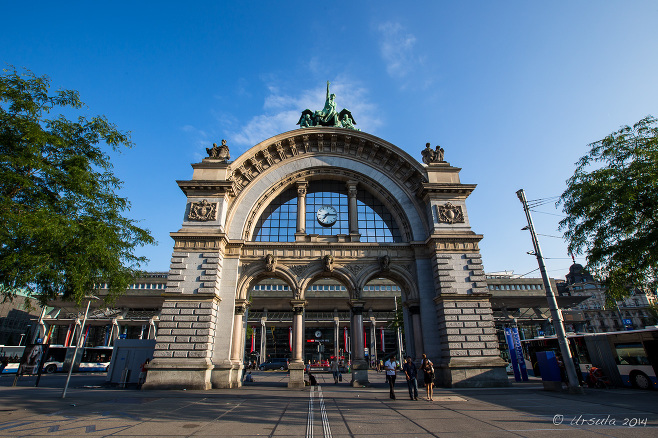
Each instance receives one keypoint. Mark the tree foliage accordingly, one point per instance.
(62, 225)
(611, 203)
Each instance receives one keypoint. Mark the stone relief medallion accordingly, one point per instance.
(450, 214)
(203, 211)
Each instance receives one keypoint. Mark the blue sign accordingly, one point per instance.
(627, 321)
(540, 332)
(123, 336)
(516, 354)
(519, 353)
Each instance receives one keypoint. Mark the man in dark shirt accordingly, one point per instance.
(410, 372)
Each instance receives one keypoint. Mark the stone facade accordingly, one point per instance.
(216, 260)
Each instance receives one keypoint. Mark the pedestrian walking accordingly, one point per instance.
(335, 371)
(428, 376)
(411, 373)
(390, 366)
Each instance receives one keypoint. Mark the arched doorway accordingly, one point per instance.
(325, 206)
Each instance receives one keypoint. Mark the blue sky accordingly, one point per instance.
(513, 91)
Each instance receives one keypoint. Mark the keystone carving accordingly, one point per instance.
(385, 263)
(270, 263)
(328, 263)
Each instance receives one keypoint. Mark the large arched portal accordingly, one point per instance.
(324, 215)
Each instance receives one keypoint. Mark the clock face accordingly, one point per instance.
(327, 215)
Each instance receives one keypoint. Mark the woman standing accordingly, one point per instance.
(428, 371)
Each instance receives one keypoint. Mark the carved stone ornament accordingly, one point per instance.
(450, 214)
(270, 263)
(220, 153)
(432, 155)
(203, 211)
(328, 261)
(385, 263)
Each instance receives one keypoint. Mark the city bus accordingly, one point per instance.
(92, 359)
(628, 358)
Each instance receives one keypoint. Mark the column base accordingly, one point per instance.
(472, 373)
(360, 374)
(169, 373)
(296, 378)
(227, 375)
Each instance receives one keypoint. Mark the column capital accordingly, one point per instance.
(357, 306)
(241, 306)
(351, 188)
(301, 187)
(298, 306)
(413, 306)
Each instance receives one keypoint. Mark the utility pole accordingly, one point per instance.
(79, 341)
(556, 315)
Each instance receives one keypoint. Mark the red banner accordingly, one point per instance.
(290, 338)
(253, 339)
(381, 342)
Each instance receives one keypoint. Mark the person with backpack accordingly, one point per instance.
(428, 376)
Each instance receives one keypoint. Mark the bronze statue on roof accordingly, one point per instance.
(328, 115)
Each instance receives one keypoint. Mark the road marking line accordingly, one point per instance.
(309, 420)
(325, 421)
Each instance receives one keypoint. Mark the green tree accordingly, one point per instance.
(611, 203)
(62, 225)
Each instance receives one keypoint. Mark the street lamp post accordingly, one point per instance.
(552, 303)
(77, 346)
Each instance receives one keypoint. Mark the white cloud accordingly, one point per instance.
(397, 49)
(282, 111)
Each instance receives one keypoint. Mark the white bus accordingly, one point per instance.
(628, 358)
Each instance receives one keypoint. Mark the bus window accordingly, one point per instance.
(631, 354)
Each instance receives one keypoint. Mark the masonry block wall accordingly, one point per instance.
(187, 329)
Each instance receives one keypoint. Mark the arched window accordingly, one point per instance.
(278, 221)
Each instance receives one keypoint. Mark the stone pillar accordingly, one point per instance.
(185, 337)
(469, 345)
(263, 337)
(296, 365)
(336, 334)
(237, 349)
(414, 309)
(373, 339)
(359, 365)
(301, 210)
(352, 209)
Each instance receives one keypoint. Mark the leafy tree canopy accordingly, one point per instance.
(611, 203)
(62, 225)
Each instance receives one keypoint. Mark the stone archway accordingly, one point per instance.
(218, 253)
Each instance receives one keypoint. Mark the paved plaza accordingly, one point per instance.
(267, 408)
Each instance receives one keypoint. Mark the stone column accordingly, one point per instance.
(263, 337)
(300, 235)
(336, 334)
(353, 210)
(359, 365)
(296, 365)
(237, 349)
(414, 309)
(373, 339)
